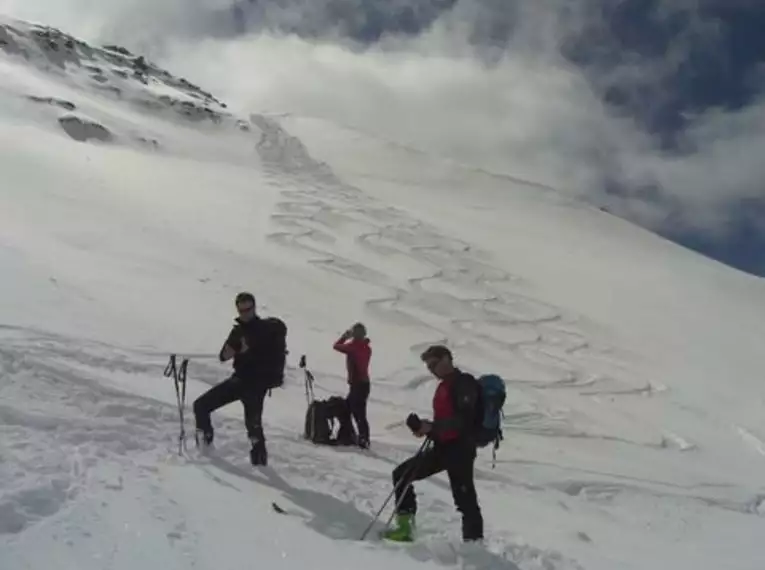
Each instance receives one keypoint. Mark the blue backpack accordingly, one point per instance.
(489, 413)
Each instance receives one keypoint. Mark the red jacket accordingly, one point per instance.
(358, 353)
(454, 407)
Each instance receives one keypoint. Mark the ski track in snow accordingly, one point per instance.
(454, 294)
(458, 295)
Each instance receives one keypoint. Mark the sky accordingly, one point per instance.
(651, 109)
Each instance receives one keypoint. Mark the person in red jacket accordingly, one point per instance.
(358, 353)
(455, 405)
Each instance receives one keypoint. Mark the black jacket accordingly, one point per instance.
(267, 353)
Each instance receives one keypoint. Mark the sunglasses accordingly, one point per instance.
(245, 309)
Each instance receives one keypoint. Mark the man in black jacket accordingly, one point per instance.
(258, 349)
(456, 405)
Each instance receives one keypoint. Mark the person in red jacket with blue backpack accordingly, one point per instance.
(457, 410)
(358, 353)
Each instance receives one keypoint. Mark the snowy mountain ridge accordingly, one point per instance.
(111, 71)
(633, 428)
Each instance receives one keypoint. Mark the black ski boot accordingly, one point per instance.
(203, 439)
(258, 453)
(472, 528)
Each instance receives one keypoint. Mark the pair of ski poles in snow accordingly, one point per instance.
(179, 379)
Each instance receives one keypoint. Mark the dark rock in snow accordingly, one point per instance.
(83, 129)
(583, 536)
(118, 49)
(112, 89)
(55, 44)
(68, 105)
(152, 143)
(8, 43)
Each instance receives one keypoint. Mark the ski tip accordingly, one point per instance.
(278, 509)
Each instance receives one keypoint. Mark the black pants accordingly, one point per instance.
(458, 460)
(248, 392)
(357, 404)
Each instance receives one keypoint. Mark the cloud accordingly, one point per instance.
(530, 99)
(726, 165)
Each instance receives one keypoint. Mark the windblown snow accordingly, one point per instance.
(134, 205)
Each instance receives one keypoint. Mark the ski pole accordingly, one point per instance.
(309, 394)
(179, 380)
(409, 480)
(308, 432)
(406, 481)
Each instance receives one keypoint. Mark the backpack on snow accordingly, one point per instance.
(320, 420)
(488, 420)
(321, 415)
(318, 426)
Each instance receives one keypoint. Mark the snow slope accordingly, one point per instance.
(128, 221)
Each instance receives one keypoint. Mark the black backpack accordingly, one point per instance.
(318, 426)
(321, 418)
(274, 350)
(268, 357)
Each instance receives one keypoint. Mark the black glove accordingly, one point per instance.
(413, 422)
(235, 339)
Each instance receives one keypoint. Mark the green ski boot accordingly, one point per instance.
(404, 531)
